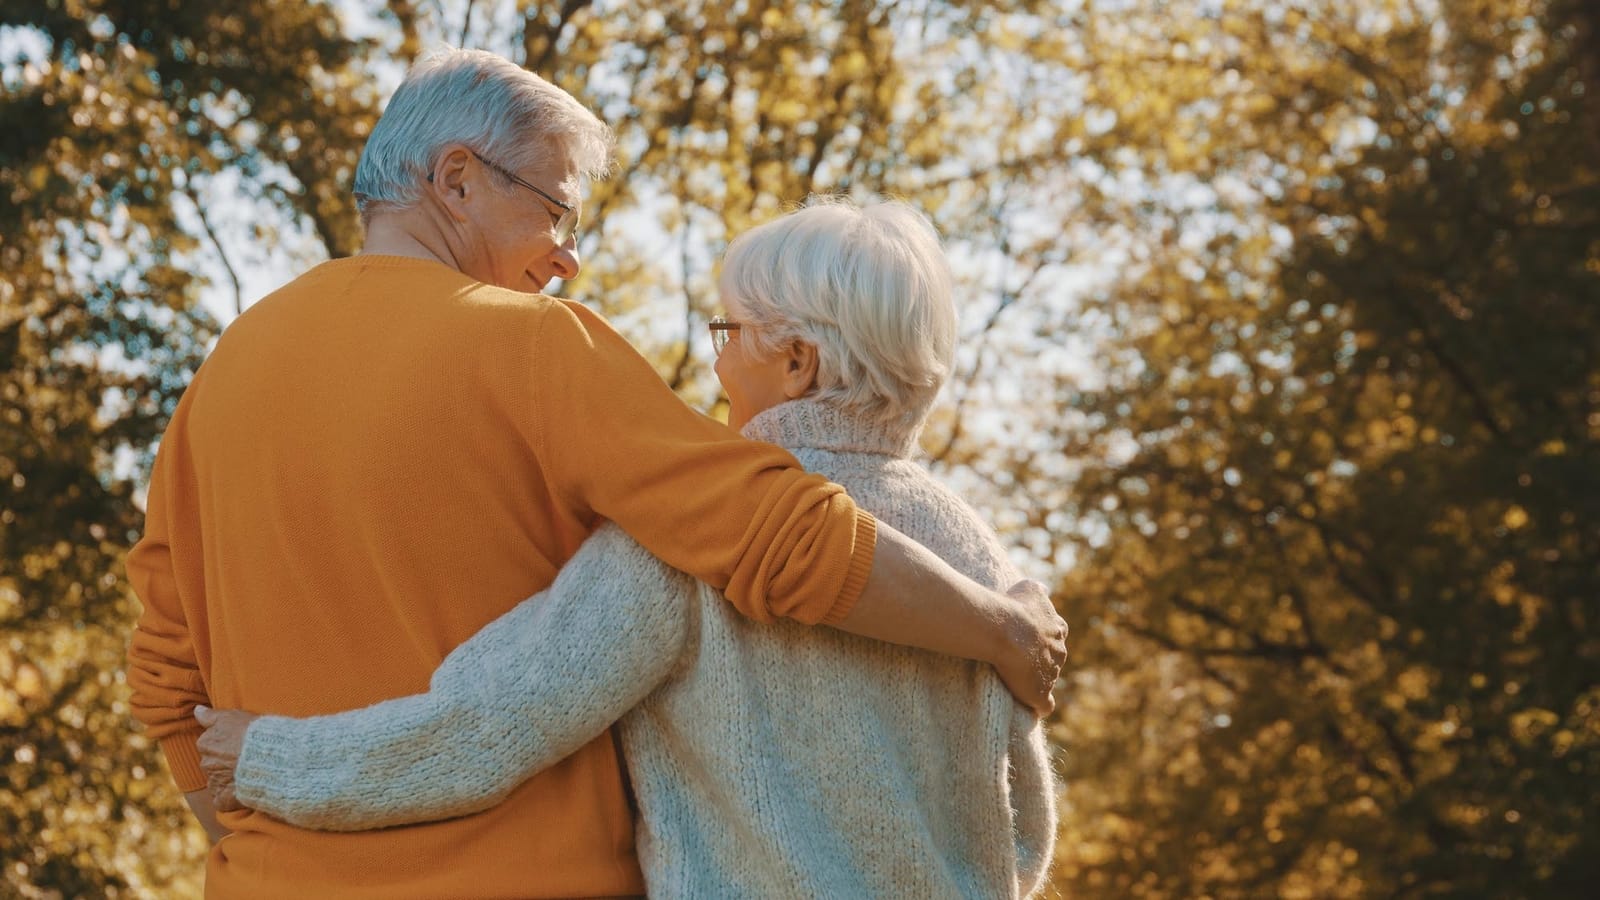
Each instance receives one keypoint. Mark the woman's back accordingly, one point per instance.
(782, 760)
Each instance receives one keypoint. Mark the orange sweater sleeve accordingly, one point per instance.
(740, 515)
(163, 670)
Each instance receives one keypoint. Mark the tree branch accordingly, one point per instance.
(1451, 365)
(1007, 299)
(550, 35)
(680, 371)
(466, 25)
(222, 254)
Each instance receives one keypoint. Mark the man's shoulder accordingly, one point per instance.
(562, 322)
(495, 303)
(354, 286)
(494, 315)
(565, 334)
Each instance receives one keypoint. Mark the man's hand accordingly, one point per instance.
(913, 598)
(1030, 660)
(220, 747)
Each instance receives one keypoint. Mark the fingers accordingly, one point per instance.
(1026, 588)
(1041, 707)
(1044, 701)
(1052, 628)
(1029, 687)
(219, 781)
(212, 740)
(1039, 690)
(1045, 705)
(1040, 646)
(1055, 659)
(220, 745)
(221, 786)
(1052, 676)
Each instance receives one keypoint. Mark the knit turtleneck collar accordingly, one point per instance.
(808, 423)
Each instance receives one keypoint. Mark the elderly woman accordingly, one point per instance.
(768, 760)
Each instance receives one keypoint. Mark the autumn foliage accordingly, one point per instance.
(1279, 357)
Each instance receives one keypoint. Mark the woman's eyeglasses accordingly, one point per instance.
(721, 331)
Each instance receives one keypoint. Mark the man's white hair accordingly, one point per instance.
(868, 285)
(511, 116)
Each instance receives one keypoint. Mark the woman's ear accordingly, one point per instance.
(799, 369)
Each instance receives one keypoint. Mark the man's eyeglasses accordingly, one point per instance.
(721, 332)
(566, 225)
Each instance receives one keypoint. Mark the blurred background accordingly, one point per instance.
(1280, 363)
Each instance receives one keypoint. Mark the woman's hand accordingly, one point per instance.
(1030, 660)
(220, 747)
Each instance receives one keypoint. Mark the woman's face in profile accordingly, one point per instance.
(753, 380)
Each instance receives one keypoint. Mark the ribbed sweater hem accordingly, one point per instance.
(855, 579)
(183, 757)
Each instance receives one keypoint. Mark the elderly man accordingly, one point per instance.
(418, 422)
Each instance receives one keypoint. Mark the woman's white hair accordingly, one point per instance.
(510, 115)
(868, 285)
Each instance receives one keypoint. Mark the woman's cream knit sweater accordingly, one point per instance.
(769, 760)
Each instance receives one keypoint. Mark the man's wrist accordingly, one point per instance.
(1000, 618)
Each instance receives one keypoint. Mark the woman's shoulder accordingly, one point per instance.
(912, 500)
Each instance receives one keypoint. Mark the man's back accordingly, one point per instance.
(354, 450)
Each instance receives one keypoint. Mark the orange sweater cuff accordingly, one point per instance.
(183, 758)
(855, 579)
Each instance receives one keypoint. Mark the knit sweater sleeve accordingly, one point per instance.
(530, 688)
(740, 515)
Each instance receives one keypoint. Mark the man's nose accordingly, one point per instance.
(565, 260)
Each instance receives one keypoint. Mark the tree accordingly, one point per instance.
(1344, 478)
(143, 144)
(1275, 358)
(109, 132)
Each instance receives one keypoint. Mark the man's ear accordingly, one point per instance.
(799, 369)
(448, 181)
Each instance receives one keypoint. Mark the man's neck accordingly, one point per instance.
(391, 234)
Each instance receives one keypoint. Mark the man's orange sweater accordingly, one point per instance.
(376, 461)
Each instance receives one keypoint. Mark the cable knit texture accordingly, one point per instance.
(768, 760)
